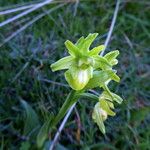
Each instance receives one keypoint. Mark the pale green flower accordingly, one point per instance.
(82, 62)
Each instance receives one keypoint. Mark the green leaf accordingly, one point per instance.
(57, 146)
(72, 49)
(31, 120)
(63, 63)
(102, 63)
(96, 50)
(111, 57)
(97, 117)
(25, 146)
(43, 134)
(89, 96)
(138, 115)
(78, 78)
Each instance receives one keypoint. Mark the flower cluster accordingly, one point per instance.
(86, 69)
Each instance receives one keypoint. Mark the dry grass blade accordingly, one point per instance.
(25, 12)
(29, 24)
(111, 27)
(5, 12)
(61, 127)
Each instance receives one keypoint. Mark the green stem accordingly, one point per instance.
(72, 97)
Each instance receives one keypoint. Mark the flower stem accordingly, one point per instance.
(72, 97)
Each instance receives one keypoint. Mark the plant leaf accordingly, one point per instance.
(137, 115)
(89, 96)
(63, 63)
(31, 119)
(43, 134)
(25, 146)
(57, 146)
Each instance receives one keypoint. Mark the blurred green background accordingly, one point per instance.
(30, 93)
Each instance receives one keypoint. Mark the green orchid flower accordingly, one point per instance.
(104, 107)
(101, 111)
(86, 69)
(82, 62)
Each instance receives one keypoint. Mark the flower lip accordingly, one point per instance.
(103, 113)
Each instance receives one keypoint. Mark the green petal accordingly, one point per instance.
(78, 78)
(97, 117)
(63, 63)
(72, 49)
(101, 62)
(96, 50)
(105, 106)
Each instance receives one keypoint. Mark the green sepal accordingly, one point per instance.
(97, 117)
(96, 50)
(72, 49)
(89, 40)
(111, 57)
(78, 78)
(63, 63)
(100, 78)
(80, 42)
(117, 98)
(113, 75)
(84, 43)
(111, 97)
